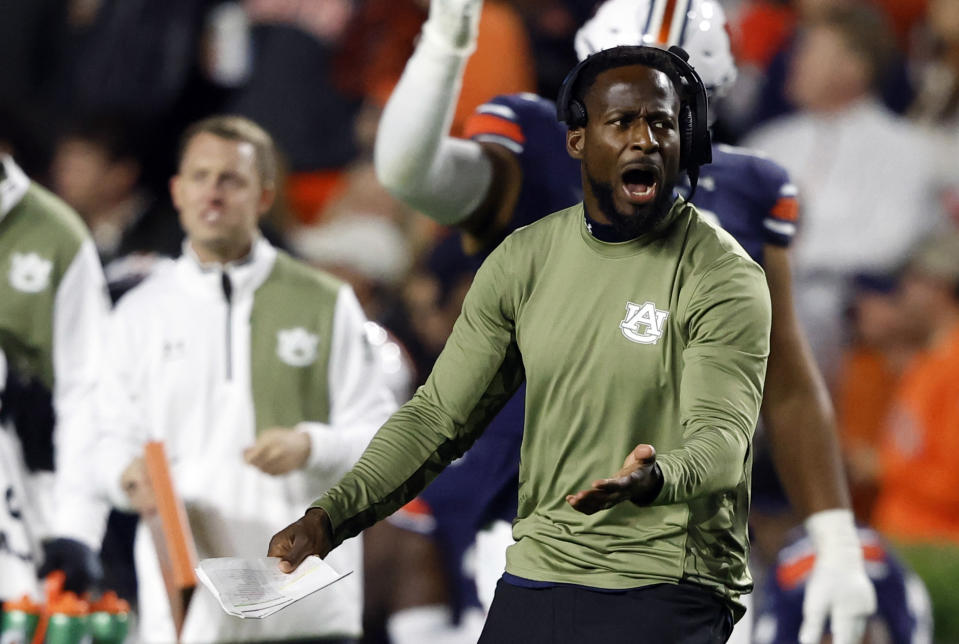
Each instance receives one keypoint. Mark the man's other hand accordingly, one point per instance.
(311, 534)
(137, 487)
(639, 481)
(279, 450)
(79, 563)
(838, 587)
(455, 23)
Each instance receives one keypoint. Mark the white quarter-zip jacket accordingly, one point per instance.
(178, 369)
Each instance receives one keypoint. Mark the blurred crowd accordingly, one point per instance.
(863, 113)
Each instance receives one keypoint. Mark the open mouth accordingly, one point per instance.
(639, 184)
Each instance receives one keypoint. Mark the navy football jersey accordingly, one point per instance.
(903, 612)
(748, 194)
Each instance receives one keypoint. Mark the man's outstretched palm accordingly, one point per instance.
(639, 480)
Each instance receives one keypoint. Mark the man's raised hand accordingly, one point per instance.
(454, 23)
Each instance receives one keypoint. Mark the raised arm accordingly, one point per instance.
(453, 181)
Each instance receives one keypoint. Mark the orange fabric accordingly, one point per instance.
(865, 391)
(761, 32)
(491, 124)
(308, 192)
(787, 209)
(919, 480)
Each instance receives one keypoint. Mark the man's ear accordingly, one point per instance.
(575, 140)
(267, 197)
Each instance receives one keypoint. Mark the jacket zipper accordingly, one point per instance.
(228, 295)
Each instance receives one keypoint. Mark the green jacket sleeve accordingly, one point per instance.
(727, 322)
(476, 374)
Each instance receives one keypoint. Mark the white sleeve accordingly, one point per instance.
(360, 401)
(121, 412)
(79, 314)
(414, 156)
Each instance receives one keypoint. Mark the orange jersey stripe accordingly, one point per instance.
(667, 22)
(873, 552)
(491, 124)
(787, 209)
(417, 507)
(791, 574)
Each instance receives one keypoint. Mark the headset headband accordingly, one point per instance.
(637, 55)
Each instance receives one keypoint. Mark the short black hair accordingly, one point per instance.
(607, 59)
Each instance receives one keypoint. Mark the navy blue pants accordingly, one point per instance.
(658, 614)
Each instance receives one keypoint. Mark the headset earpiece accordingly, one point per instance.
(577, 114)
(686, 135)
(693, 120)
(569, 110)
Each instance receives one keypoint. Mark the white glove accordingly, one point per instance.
(838, 587)
(454, 24)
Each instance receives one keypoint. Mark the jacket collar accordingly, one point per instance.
(13, 184)
(245, 274)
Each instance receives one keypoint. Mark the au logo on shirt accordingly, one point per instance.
(29, 273)
(644, 323)
(296, 347)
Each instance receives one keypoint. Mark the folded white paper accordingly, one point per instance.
(256, 588)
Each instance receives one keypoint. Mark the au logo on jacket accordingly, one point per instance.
(297, 346)
(29, 273)
(644, 323)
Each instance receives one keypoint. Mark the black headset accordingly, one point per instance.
(695, 142)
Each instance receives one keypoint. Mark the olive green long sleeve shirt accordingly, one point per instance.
(662, 340)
